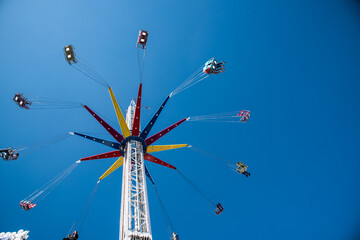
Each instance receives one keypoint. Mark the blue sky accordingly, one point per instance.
(294, 64)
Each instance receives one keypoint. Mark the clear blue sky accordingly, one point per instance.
(294, 64)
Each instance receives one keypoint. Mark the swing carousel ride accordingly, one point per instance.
(131, 147)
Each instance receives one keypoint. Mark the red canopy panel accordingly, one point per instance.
(108, 128)
(136, 123)
(160, 134)
(111, 154)
(153, 159)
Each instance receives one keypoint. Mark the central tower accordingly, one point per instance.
(134, 216)
(132, 147)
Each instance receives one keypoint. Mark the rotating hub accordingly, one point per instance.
(132, 138)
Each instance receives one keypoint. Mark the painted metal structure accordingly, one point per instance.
(132, 148)
(135, 216)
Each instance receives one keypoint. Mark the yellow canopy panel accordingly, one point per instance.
(115, 166)
(124, 127)
(159, 148)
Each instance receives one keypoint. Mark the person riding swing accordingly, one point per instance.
(175, 236)
(8, 154)
(74, 236)
(242, 169)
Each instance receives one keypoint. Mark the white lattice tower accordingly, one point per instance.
(134, 217)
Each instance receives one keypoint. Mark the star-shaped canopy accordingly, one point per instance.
(127, 135)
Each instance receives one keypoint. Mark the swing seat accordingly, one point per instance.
(210, 66)
(21, 101)
(219, 209)
(244, 115)
(241, 169)
(27, 205)
(5, 155)
(70, 54)
(142, 39)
